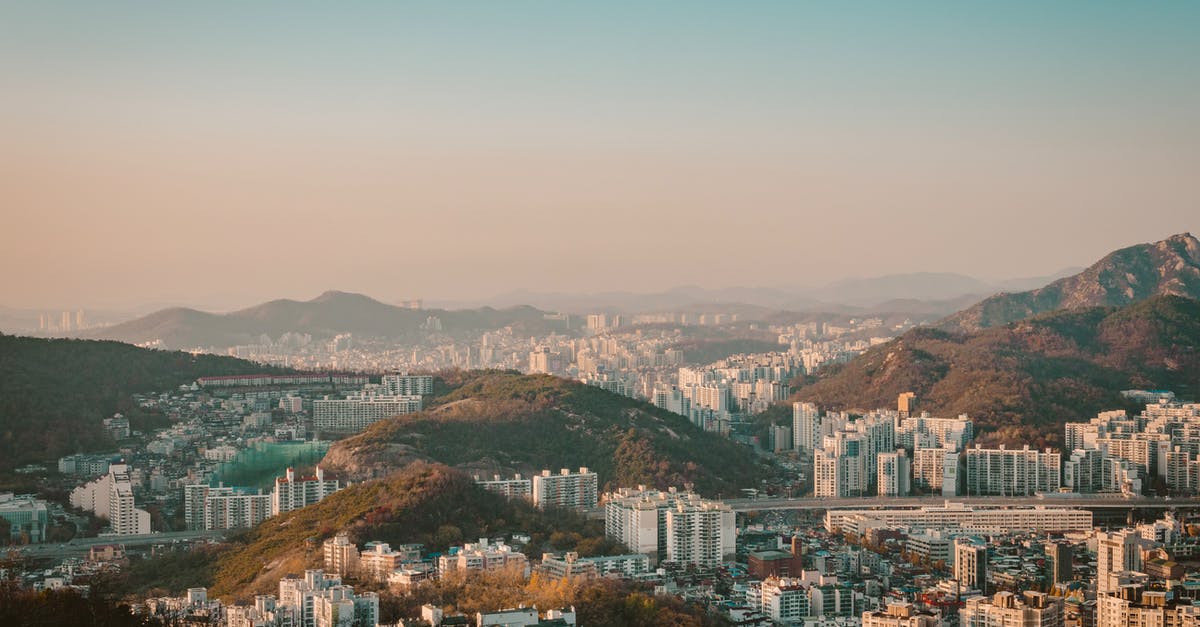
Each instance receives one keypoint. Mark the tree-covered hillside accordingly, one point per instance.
(507, 422)
(54, 393)
(1020, 382)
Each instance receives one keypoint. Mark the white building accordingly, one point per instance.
(111, 497)
(291, 493)
(515, 488)
(1005, 609)
(357, 412)
(806, 426)
(671, 526)
(1012, 472)
(483, 556)
(894, 474)
(408, 384)
(574, 490)
(899, 615)
(935, 470)
(952, 515)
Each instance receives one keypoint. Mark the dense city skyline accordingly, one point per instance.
(159, 154)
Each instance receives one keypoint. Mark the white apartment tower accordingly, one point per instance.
(574, 490)
(893, 474)
(806, 426)
(293, 493)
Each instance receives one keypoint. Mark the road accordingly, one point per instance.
(80, 546)
(762, 504)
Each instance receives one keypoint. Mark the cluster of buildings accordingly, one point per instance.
(567, 489)
(316, 599)
(1115, 452)
(677, 527)
(897, 453)
(212, 508)
(714, 396)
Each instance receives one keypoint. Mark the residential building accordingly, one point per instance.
(407, 384)
(573, 490)
(899, 615)
(1005, 609)
(293, 493)
(671, 526)
(483, 556)
(806, 427)
(894, 471)
(341, 555)
(935, 471)
(27, 517)
(970, 564)
(952, 515)
(356, 412)
(1012, 472)
(515, 488)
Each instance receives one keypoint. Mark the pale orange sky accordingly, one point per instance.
(404, 152)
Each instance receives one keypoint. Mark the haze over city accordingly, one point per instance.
(223, 155)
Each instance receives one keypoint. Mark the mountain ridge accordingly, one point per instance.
(1134, 273)
(1021, 381)
(322, 317)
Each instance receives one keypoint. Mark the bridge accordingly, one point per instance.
(900, 502)
(80, 546)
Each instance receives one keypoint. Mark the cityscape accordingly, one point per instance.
(599, 315)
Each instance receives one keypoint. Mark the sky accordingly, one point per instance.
(225, 153)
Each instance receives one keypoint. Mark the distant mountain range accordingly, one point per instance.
(896, 293)
(322, 317)
(1129, 275)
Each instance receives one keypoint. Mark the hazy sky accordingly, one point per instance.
(233, 152)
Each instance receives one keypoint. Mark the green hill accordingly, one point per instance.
(424, 503)
(1021, 381)
(54, 393)
(505, 422)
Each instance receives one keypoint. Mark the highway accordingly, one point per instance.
(1089, 502)
(80, 546)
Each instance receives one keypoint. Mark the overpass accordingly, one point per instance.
(882, 502)
(80, 546)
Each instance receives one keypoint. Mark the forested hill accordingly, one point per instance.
(1021, 381)
(54, 393)
(506, 422)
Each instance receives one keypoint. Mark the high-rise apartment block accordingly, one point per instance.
(893, 474)
(671, 526)
(935, 471)
(1012, 472)
(970, 564)
(407, 384)
(1005, 609)
(293, 492)
(111, 497)
(806, 427)
(356, 412)
(574, 490)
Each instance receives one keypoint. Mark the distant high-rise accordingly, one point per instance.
(893, 474)
(66, 321)
(906, 403)
(1059, 568)
(970, 564)
(806, 426)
